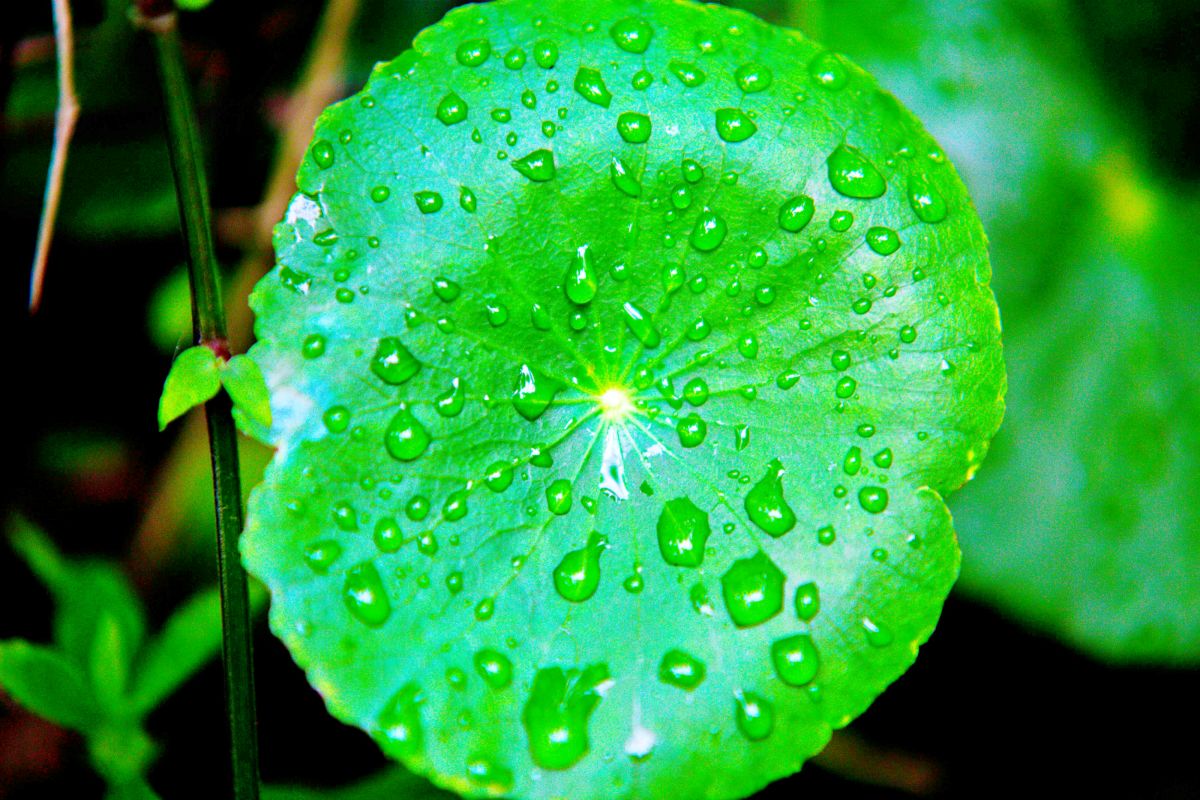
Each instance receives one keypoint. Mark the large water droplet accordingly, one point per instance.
(558, 497)
(683, 531)
(641, 325)
(765, 503)
(632, 34)
(691, 429)
(320, 555)
(322, 153)
(753, 590)
(581, 283)
(591, 87)
(795, 659)
(533, 393)
(634, 127)
(708, 232)
(753, 78)
(735, 125)
(393, 363)
(755, 715)
(577, 576)
(623, 178)
(851, 174)
(556, 714)
(873, 499)
(452, 109)
(538, 166)
(473, 52)
(796, 213)
(365, 596)
(400, 733)
(405, 438)
(829, 71)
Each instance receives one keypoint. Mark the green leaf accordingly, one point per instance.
(193, 5)
(193, 380)
(44, 681)
(189, 639)
(84, 592)
(1084, 524)
(616, 390)
(242, 378)
(111, 658)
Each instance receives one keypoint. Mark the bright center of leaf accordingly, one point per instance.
(615, 404)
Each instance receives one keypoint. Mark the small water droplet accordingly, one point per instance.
(755, 715)
(632, 34)
(641, 325)
(322, 153)
(533, 393)
(873, 499)
(734, 125)
(451, 110)
(580, 283)
(753, 78)
(473, 52)
(851, 174)
(556, 714)
(406, 438)
(681, 669)
(538, 166)
(577, 575)
(765, 504)
(591, 87)
(634, 127)
(708, 232)
(494, 667)
(558, 497)
(393, 363)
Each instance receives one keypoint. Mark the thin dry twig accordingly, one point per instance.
(64, 128)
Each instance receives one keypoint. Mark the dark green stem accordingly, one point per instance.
(208, 319)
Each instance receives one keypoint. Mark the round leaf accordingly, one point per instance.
(618, 368)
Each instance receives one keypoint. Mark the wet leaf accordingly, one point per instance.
(193, 380)
(578, 414)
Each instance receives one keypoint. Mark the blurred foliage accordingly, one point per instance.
(1081, 520)
(102, 675)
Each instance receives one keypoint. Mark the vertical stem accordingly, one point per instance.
(208, 319)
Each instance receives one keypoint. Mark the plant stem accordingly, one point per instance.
(208, 322)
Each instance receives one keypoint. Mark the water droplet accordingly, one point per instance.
(533, 393)
(485, 609)
(883, 241)
(336, 419)
(428, 202)
(558, 497)
(877, 635)
(845, 387)
(400, 733)
(642, 80)
(345, 517)
(494, 667)
(883, 459)
(681, 669)
(852, 463)
(692, 171)
(451, 110)
(927, 204)
(632, 34)
(908, 334)
(466, 200)
(765, 504)
(320, 555)
(380, 194)
(556, 714)
(473, 52)
(641, 325)
(499, 476)
(492, 778)
(446, 289)
(753, 590)
(406, 438)
(623, 179)
(591, 87)
(753, 78)
(577, 576)
(755, 715)
(873, 499)
(538, 166)
(388, 537)
(829, 71)
(852, 175)
(795, 659)
(796, 213)
(689, 75)
(634, 127)
(691, 429)
(734, 125)
(840, 360)
(808, 601)
(708, 232)
(393, 363)
(365, 596)
(581, 283)
(683, 531)
(695, 391)
(545, 53)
